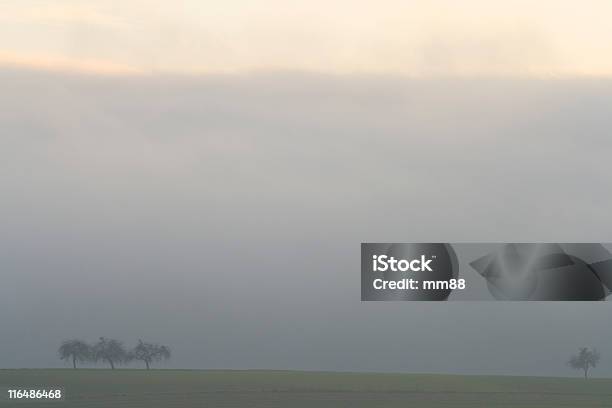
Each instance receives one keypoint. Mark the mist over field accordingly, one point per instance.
(222, 215)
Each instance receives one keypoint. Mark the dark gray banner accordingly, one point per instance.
(486, 271)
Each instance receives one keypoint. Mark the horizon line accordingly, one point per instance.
(313, 371)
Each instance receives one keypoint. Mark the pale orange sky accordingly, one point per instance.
(417, 38)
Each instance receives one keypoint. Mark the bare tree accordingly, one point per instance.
(110, 351)
(75, 350)
(149, 352)
(584, 360)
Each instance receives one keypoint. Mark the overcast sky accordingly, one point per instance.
(201, 175)
(222, 215)
(418, 38)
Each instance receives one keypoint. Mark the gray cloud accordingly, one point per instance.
(222, 215)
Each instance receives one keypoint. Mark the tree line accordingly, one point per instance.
(112, 352)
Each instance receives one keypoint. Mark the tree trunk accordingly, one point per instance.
(111, 364)
(586, 372)
(147, 363)
(74, 362)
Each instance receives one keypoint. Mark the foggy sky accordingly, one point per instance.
(414, 37)
(222, 215)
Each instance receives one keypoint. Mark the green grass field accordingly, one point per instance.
(270, 389)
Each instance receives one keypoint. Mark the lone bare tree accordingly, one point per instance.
(110, 351)
(75, 350)
(149, 352)
(584, 360)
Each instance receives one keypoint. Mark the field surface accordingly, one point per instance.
(271, 389)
